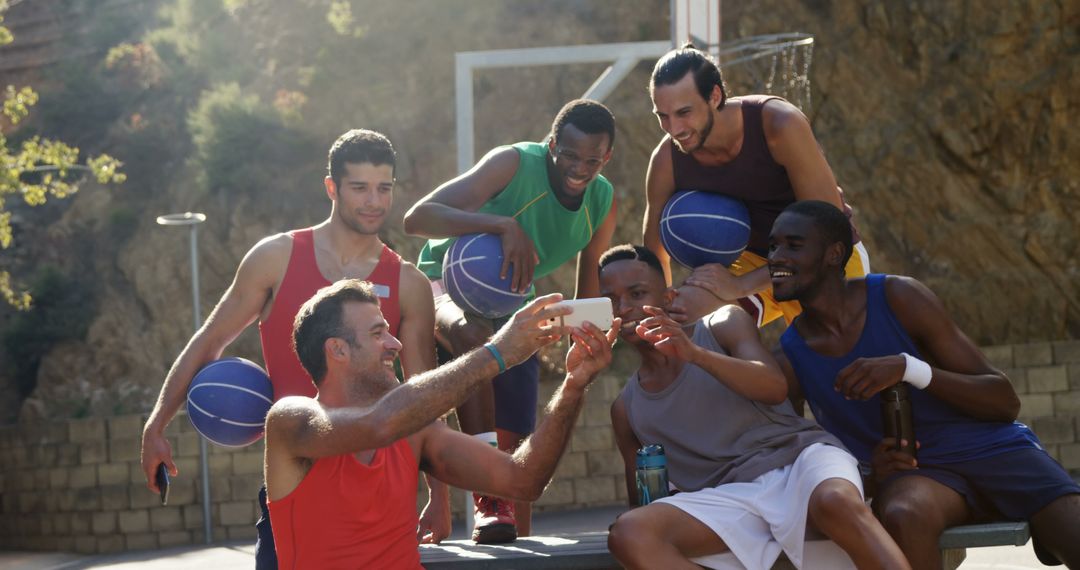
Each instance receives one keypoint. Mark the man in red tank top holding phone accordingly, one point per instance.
(756, 148)
(283, 271)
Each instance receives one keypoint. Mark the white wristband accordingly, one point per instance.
(916, 372)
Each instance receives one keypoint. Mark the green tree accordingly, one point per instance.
(37, 169)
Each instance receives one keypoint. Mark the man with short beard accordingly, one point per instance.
(756, 148)
(283, 271)
(341, 468)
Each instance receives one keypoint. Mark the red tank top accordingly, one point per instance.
(345, 514)
(302, 280)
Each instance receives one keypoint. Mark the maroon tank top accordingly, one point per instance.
(752, 176)
(302, 280)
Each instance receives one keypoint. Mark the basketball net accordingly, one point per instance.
(774, 64)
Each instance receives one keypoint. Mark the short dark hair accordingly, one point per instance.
(630, 252)
(833, 223)
(358, 146)
(321, 318)
(675, 64)
(591, 117)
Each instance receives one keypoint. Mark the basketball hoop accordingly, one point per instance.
(773, 64)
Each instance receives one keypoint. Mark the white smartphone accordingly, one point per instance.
(596, 310)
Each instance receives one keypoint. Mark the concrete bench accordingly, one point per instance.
(955, 541)
(588, 550)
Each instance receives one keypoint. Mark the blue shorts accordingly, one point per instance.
(515, 394)
(1013, 485)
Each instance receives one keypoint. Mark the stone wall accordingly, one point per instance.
(77, 485)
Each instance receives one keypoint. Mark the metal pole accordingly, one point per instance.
(193, 220)
(203, 455)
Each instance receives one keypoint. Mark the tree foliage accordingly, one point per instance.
(37, 169)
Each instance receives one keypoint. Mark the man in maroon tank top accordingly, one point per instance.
(756, 148)
(283, 271)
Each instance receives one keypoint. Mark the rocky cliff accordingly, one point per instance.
(947, 124)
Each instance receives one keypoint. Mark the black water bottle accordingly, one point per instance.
(896, 418)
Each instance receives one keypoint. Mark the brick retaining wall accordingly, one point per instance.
(77, 485)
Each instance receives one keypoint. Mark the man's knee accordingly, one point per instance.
(630, 531)
(907, 514)
(836, 501)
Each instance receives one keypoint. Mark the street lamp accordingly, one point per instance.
(193, 220)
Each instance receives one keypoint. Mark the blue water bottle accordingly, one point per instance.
(652, 482)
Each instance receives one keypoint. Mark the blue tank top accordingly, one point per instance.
(945, 434)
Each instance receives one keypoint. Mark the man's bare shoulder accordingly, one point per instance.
(731, 323)
(661, 155)
(292, 412)
(272, 251)
(415, 287)
(780, 117)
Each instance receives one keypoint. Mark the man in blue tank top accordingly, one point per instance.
(754, 476)
(857, 337)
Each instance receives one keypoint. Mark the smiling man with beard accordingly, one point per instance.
(548, 203)
(341, 469)
(283, 271)
(756, 148)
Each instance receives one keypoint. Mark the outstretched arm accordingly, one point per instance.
(304, 429)
(960, 373)
(241, 304)
(466, 462)
(451, 210)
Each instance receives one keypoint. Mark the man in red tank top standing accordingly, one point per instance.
(755, 148)
(283, 271)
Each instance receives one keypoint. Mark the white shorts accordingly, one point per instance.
(759, 519)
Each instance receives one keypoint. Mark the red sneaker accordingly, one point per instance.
(493, 520)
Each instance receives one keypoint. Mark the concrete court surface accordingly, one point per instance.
(241, 555)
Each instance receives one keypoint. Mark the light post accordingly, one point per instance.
(193, 220)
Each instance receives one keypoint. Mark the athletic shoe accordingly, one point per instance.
(493, 520)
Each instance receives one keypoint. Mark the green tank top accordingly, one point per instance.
(558, 234)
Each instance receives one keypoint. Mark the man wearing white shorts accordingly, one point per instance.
(755, 478)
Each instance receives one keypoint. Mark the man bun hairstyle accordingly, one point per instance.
(675, 64)
(322, 318)
(590, 117)
(833, 223)
(358, 146)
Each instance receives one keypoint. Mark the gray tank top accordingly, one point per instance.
(711, 434)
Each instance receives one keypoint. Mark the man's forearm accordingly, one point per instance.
(540, 454)
(425, 397)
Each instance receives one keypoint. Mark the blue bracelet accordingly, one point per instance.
(498, 357)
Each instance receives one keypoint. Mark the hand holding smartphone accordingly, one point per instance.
(595, 310)
(162, 480)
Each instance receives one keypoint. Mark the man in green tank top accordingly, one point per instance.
(548, 203)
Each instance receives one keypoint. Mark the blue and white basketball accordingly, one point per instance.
(228, 401)
(471, 277)
(702, 227)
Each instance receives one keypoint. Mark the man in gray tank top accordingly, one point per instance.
(753, 476)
